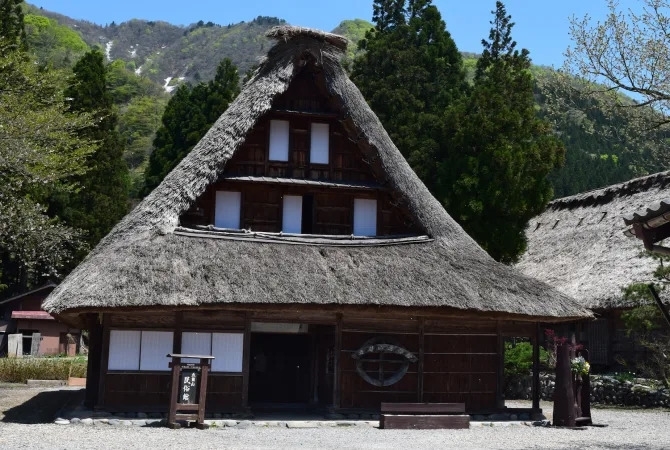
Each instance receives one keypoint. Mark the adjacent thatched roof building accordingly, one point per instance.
(148, 260)
(579, 245)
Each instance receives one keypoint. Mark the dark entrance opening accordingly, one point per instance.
(280, 370)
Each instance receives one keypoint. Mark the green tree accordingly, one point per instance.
(410, 72)
(645, 323)
(625, 52)
(102, 198)
(41, 148)
(501, 152)
(12, 31)
(188, 115)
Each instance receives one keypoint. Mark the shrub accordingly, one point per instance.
(519, 358)
(623, 376)
(18, 370)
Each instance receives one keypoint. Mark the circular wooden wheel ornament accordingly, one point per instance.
(382, 362)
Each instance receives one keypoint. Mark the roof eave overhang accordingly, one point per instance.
(76, 316)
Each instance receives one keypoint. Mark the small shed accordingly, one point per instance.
(23, 314)
(296, 245)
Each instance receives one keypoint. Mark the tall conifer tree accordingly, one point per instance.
(410, 72)
(188, 115)
(501, 152)
(12, 31)
(102, 199)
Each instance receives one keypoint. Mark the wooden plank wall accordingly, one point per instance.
(459, 364)
(303, 104)
(261, 208)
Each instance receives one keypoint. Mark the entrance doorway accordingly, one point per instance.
(279, 369)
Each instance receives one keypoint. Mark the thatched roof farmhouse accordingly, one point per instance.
(580, 246)
(296, 223)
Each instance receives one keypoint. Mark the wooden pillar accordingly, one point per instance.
(202, 395)
(175, 366)
(176, 336)
(337, 369)
(313, 366)
(94, 359)
(246, 356)
(104, 356)
(419, 389)
(536, 368)
(500, 368)
(564, 397)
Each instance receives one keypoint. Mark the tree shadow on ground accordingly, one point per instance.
(44, 407)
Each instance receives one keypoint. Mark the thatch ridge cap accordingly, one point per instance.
(606, 194)
(287, 32)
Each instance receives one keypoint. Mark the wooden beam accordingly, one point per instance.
(104, 357)
(424, 422)
(337, 368)
(500, 368)
(660, 304)
(319, 313)
(246, 358)
(94, 361)
(419, 390)
(659, 233)
(174, 390)
(176, 336)
(313, 367)
(536, 368)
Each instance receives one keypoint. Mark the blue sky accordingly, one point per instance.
(542, 26)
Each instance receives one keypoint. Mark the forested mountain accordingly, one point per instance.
(162, 51)
(150, 59)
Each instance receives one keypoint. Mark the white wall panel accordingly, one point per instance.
(227, 348)
(320, 137)
(193, 343)
(365, 217)
(155, 347)
(279, 132)
(124, 350)
(292, 214)
(227, 211)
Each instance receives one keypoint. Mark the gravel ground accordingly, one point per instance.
(627, 429)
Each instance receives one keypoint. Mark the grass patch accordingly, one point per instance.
(18, 370)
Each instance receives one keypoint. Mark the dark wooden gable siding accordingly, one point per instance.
(304, 103)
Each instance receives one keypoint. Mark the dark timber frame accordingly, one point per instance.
(459, 359)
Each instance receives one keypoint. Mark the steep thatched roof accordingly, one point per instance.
(146, 261)
(578, 244)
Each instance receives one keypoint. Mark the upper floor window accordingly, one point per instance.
(279, 133)
(365, 217)
(227, 209)
(292, 214)
(320, 136)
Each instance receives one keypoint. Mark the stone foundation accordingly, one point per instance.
(605, 390)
